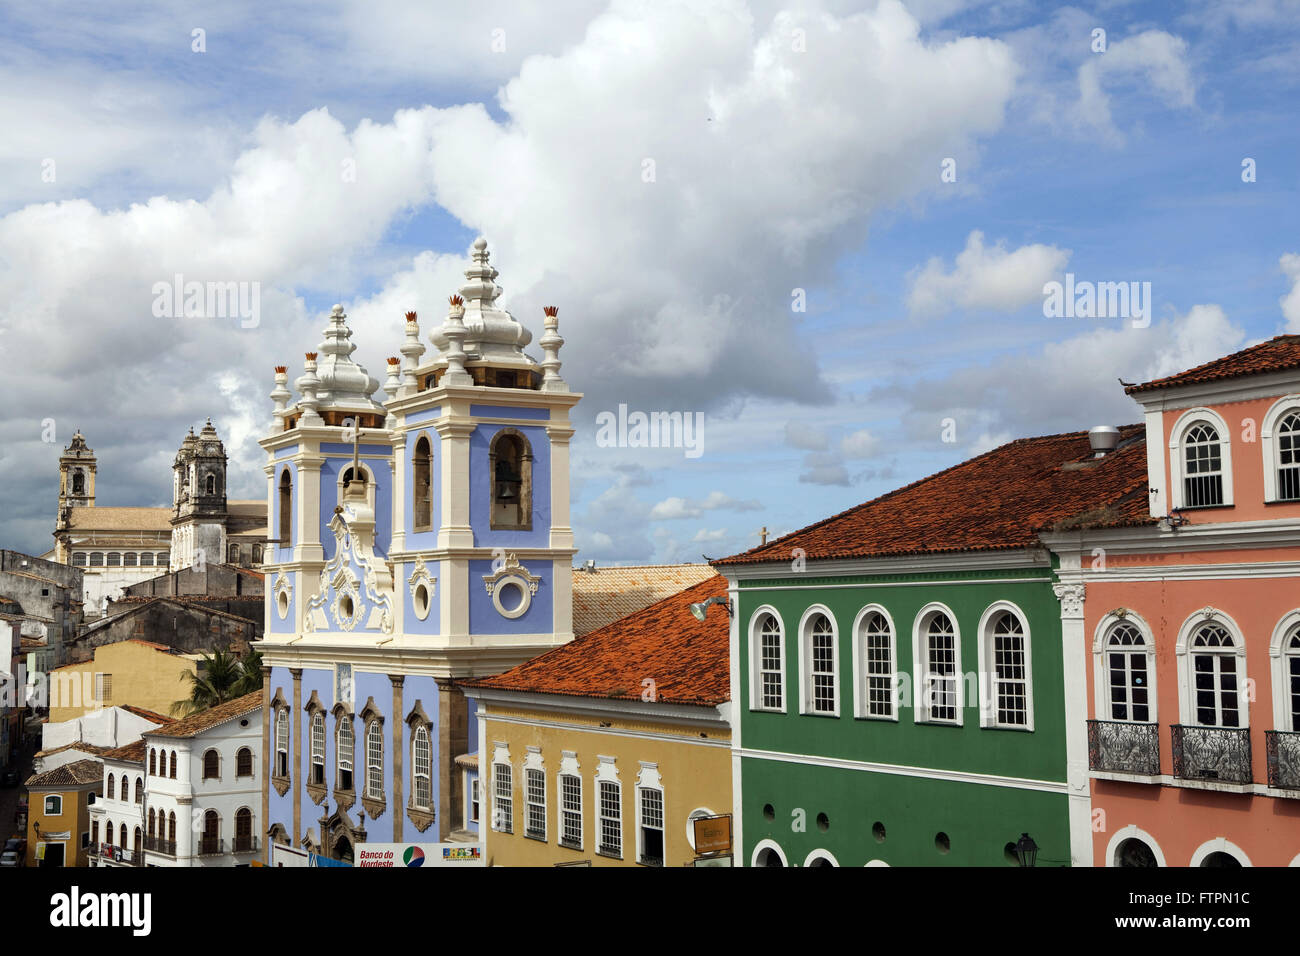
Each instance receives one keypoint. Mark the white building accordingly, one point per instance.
(117, 816)
(203, 787)
(108, 727)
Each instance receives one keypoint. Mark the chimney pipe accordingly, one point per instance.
(1103, 440)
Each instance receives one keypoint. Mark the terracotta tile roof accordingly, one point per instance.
(603, 596)
(120, 519)
(95, 749)
(75, 774)
(686, 658)
(205, 720)
(130, 753)
(146, 714)
(1280, 354)
(1000, 500)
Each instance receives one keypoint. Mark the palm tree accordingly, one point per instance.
(220, 676)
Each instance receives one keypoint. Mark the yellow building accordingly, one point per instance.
(605, 750)
(58, 822)
(136, 673)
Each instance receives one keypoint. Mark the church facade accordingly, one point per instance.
(417, 541)
(118, 547)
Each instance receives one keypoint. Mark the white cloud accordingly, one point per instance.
(674, 508)
(824, 469)
(805, 437)
(1290, 264)
(859, 444)
(1154, 56)
(986, 277)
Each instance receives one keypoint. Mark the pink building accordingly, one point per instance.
(1184, 646)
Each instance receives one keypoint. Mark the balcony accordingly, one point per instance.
(1283, 760)
(1118, 746)
(1216, 754)
(245, 844)
(211, 846)
(158, 845)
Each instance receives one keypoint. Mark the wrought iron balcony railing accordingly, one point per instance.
(245, 844)
(1119, 746)
(1221, 754)
(211, 846)
(159, 845)
(1283, 750)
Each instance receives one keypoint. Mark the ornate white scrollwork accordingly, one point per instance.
(512, 575)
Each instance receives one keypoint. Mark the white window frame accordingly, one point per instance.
(1279, 659)
(533, 764)
(351, 759)
(607, 773)
(45, 803)
(987, 663)
(920, 657)
(806, 695)
(1177, 437)
(421, 730)
(1185, 658)
(282, 731)
(569, 769)
(861, 695)
(1101, 666)
(648, 779)
(373, 766)
(1268, 445)
(756, 660)
(312, 759)
(503, 821)
(473, 789)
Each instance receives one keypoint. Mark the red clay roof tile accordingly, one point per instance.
(1279, 354)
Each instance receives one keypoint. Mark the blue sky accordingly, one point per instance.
(795, 147)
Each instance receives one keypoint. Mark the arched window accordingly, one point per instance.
(79, 559)
(153, 762)
(875, 654)
(1291, 678)
(129, 559)
(171, 826)
(210, 843)
(78, 483)
(114, 559)
(1005, 658)
(318, 748)
(121, 834)
(767, 654)
(940, 666)
(422, 485)
(1215, 680)
(374, 760)
(244, 762)
(172, 775)
(282, 744)
(257, 554)
(1203, 467)
(96, 559)
(126, 789)
(139, 790)
(1128, 681)
(421, 769)
(286, 510)
(510, 470)
(146, 559)
(243, 830)
(112, 787)
(212, 484)
(819, 653)
(108, 832)
(346, 745)
(152, 830)
(137, 845)
(162, 559)
(232, 556)
(211, 765)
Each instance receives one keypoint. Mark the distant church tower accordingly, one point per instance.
(419, 541)
(77, 466)
(199, 513)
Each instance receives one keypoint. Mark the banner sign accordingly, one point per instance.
(413, 855)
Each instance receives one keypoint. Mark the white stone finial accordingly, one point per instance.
(412, 348)
(280, 395)
(307, 384)
(551, 341)
(454, 331)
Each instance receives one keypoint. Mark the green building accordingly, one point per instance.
(899, 678)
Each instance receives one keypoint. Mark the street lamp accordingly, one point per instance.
(701, 609)
(1026, 850)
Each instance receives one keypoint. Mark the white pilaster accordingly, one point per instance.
(1074, 657)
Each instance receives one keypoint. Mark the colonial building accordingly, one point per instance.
(898, 673)
(1184, 641)
(58, 822)
(606, 750)
(118, 547)
(136, 672)
(417, 541)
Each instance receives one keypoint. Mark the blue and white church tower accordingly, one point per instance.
(417, 541)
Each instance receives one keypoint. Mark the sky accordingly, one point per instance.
(824, 228)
